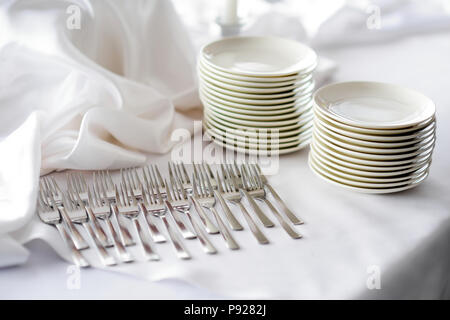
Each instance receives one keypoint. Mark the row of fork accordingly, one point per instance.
(153, 196)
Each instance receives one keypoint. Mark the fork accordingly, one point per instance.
(179, 205)
(234, 223)
(50, 190)
(50, 214)
(256, 187)
(281, 203)
(152, 196)
(181, 172)
(76, 210)
(100, 209)
(104, 185)
(230, 190)
(203, 194)
(127, 206)
(79, 185)
(235, 175)
(177, 197)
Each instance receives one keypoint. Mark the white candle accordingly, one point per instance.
(229, 12)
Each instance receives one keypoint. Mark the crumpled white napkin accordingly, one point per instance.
(98, 96)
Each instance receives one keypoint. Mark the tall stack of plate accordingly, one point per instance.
(372, 137)
(257, 93)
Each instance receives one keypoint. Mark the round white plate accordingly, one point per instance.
(238, 115)
(375, 163)
(373, 144)
(353, 147)
(263, 152)
(376, 157)
(298, 96)
(369, 171)
(322, 174)
(304, 118)
(258, 113)
(255, 96)
(376, 132)
(209, 97)
(259, 56)
(259, 139)
(254, 133)
(349, 174)
(211, 74)
(374, 105)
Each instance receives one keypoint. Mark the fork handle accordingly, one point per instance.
(157, 236)
(78, 240)
(208, 247)
(287, 211)
(229, 240)
(261, 215)
(181, 250)
(149, 252)
(105, 257)
(209, 226)
(77, 257)
(253, 227)
(99, 232)
(123, 254)
(187, 234)
(234, 223)
(124, 234)
(289, 230)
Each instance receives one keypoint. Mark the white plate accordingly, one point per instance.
(258, 146)
(376, 132)
(259, 56)
(373, 144)
(321, 174)
(263, 152)
(304, 118)
(209, 97)
(351, 174)
(374, 105)
(261, 95)
(353, 147)
(255, 133)
(211, 74)
(375, 163)
(298, 96)
(376, 157)
(369, 171)
(259, 139)
(238, 115)
(259, 112)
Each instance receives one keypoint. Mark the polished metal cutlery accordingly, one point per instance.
(50, 214)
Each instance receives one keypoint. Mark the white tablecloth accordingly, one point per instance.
(348, 236)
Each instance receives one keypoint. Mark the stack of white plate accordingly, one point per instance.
(372, 137)
(257, 93)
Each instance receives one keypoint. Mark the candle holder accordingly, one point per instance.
(230, 30)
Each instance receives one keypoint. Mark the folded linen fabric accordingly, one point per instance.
(86, 85)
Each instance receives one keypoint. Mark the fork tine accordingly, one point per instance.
(116, 194)
(157, 186)
(169, 195)
(194, 186)
(171, 180)
(208, 182)
(182, 192)
(224, 180)
(160, 179)
(186, 176)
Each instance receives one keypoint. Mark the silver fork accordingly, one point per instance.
(256, 187)
(230, 190)
(235, 175)
(101, 209)
(203, 194)
(179, 205)
(281, 203)
(104, 185)
(177, 195)
(153, 197)
(50, 190)
(78, 184)
(127, 205)
(50, 214)
(76, 210)
(180, 171)
(234, 223)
